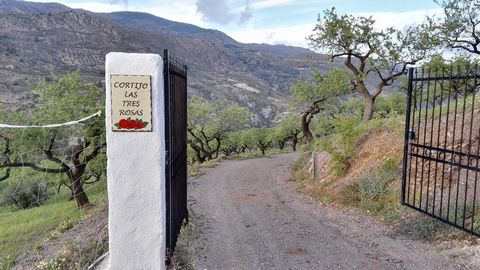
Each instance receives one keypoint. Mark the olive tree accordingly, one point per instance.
(288, 130)
(72, 151)
(315, 95)
(262, 138)
(455, 88)
(458, 29)
(383, 55)
(210, 122)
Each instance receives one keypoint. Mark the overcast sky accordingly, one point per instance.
(265, 21)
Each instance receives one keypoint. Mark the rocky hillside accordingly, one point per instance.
(37, 39)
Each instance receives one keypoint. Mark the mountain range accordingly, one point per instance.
(38, 39)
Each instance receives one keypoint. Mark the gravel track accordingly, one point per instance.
(253, 218)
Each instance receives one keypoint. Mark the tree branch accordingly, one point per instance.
(93, 174)
(34, 167)
(49, 154)
(95, 152)
(6, 176)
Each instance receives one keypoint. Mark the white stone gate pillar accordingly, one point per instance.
(136, 161)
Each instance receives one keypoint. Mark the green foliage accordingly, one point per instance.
(352, 107)
(319, 96)
(262, 138)
(25, 195)
(458, 28)
(209, 123)
(21, 231)
(347, 33)
(423, 228)
(288, 129)
(341, 145)
(390, 105)
(372, 187)
(332, 84)
(325, 123)
(369, 52)
(371, 191)
(440, 90)
(62, 99)
(7, 262)
(191, 157)
(216, 117)
(235, 143)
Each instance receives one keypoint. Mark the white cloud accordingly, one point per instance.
(270, 3)
(399, 20)
(293, 35)
(216, 11)
(296, 35)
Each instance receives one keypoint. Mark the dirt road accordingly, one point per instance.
(254, 219)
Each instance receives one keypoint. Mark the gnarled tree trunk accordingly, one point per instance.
(369, 102)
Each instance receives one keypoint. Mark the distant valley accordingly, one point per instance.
(38, 39)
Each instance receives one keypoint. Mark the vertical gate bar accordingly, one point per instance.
(425, 139)
(173, 198)
(469, 152)
(407, 133)
(452, 148)
(461, 147)
(445, 140)
(478, 152)
(431, 139)
(185, 113)
(418, 137)
(412, 130)
(438, 140)
(166, 72)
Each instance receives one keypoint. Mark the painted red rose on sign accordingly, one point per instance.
(131, 124)
(123, 123)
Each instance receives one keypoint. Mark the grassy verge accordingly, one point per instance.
(22, 230)
(376, 190)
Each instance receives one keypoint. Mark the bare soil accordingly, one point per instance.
(253, 218)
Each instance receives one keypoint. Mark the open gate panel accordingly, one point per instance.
(442, 149)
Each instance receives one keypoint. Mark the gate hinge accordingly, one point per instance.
(411, 135)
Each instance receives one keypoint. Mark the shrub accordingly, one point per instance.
(25, 195)
(388, 105)
(372, 186)
(342, 144)
(424, 228)
(371, 191)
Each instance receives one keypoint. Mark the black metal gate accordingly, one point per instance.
(176, 146)
(442, 149)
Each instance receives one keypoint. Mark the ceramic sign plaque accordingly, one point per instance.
(131, 103)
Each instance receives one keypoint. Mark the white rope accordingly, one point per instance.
(71, 123)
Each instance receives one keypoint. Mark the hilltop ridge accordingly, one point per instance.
(37, 39)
